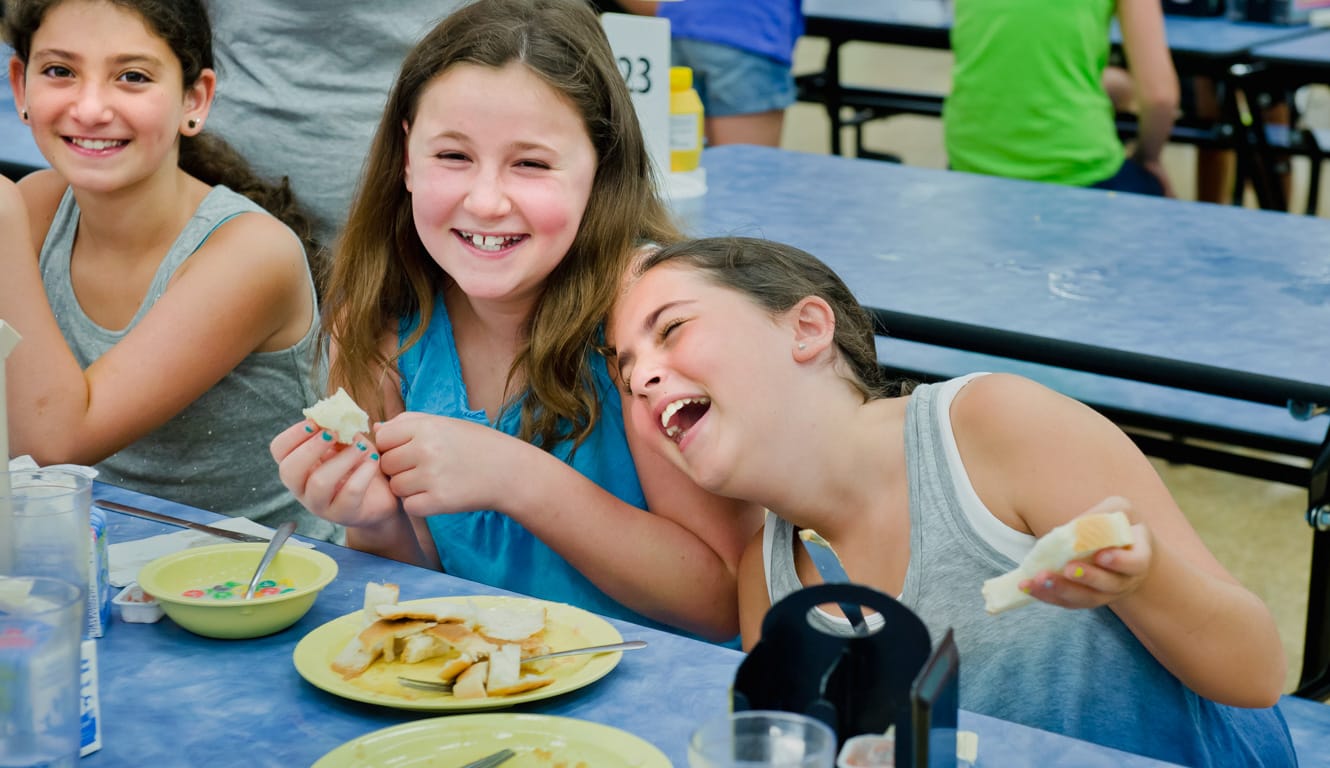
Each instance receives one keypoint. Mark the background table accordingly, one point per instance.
(172, 698)
(1219, 311)
(1278, 69)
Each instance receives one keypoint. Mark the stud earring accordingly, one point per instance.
(803, 345)
(192, 123)
(25, 114)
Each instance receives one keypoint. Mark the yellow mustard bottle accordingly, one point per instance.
(685, 121)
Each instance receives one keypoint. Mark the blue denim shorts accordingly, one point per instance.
(1132, 177)
(734, 82)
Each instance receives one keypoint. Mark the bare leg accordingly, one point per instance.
(1214, 167)
(762, 128)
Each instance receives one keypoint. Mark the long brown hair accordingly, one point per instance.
(382, 273)
(184, 26)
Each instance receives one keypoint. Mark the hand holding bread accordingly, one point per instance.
(340, 416)
(1085, 538)
(335, 474)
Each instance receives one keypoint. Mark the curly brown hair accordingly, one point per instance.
(381, 272)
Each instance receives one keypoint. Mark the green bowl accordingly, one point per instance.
(168, 577)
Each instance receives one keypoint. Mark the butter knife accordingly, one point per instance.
(190, 524)
(832, 572)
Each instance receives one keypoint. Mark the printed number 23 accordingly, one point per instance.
(636, 73)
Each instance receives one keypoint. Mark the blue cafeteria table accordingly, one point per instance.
(169, 697)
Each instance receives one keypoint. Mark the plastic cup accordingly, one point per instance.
(41, 628)
(762, 738)
(51, 509)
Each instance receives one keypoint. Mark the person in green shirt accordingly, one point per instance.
(1028, 98)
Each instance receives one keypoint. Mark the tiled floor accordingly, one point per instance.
(1255, 528)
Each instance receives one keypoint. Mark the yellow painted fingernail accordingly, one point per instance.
(1079, 572)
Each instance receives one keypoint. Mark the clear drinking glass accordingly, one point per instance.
(50, 509)
(762, 738)
(41, 628)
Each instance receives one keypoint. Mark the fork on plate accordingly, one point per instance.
(490, 761)
(443, 687)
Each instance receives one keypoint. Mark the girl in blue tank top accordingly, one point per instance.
(506, 189)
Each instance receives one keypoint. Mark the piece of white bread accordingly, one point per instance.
(471, 683)
(354, 658)
(511, 622)
(378, 594)
(422, 647)
(505, 667)
(505, 673)
(379, 639)
(456, 666)
(441, 611)
(1106, 525)
(340, 415)
(460, 638)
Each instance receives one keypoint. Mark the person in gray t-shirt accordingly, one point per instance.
(302, 84)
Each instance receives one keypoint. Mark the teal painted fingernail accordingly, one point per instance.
(327, 437)
(374, 456)
(361, 446)
(309, 429)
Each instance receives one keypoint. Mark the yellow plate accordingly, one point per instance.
(538, 740)
(565, 627)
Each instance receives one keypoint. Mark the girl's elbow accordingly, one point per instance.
(52, 451)
(1261, 691)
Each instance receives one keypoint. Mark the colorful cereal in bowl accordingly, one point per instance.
(201, 588)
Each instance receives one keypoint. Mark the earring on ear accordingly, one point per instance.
(25, 114)
(192, 123)
(803, 345)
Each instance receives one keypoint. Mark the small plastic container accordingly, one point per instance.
(137, 606)
(867, 750)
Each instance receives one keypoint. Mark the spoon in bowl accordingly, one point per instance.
(278, 539)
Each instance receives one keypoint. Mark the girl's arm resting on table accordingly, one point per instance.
(238, 291)
(649, 562)
(1038, 459)
(1154, 80)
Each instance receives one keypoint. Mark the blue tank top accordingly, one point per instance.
(488, 546)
